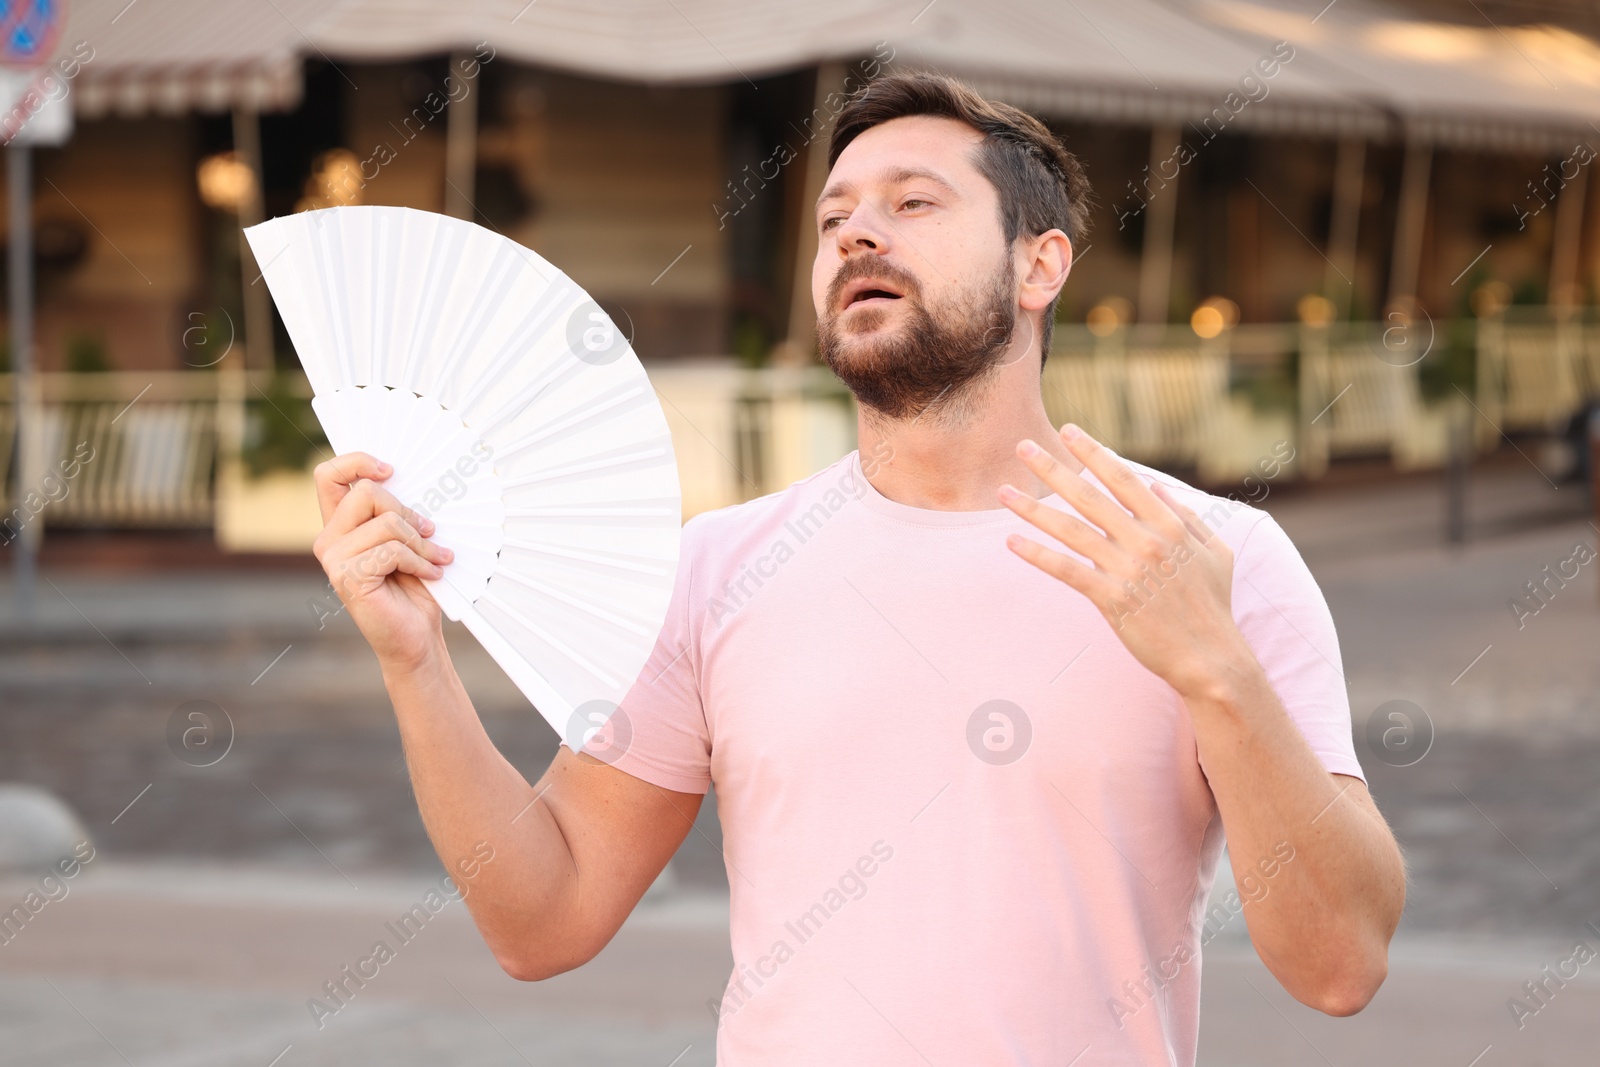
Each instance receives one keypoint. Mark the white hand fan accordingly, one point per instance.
(515, 415)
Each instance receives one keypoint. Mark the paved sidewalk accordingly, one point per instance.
(176, 964)
(220, 902)
(1498, 817)
(193, 964)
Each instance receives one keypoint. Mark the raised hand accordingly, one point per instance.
(1158, 574)
(375, 551)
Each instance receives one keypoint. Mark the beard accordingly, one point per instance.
(901, 374)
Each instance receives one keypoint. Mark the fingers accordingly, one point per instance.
(1129, 489)
(390, 526)
(366, 499)
(1093, 584)
(1090, 502)
(1116, 580)
(367, 518)
(1068, 529)
(371, 567)
(1192, 522)
(334, 478)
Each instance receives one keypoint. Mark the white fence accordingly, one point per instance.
(158, 441)
(1535, 368)
(141, 449)
(740, 433)
(1166, 403)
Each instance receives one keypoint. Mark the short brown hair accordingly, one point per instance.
(1041, 185)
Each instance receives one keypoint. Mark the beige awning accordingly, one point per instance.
(1471, 83)
(1138, 61)
(1357, 68)
(658, 41)
(172, 56)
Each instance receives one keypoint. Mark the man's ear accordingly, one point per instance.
(1047, 260)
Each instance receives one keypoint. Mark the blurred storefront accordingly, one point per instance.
(1289, 203)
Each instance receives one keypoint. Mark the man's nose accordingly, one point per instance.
(863, 231)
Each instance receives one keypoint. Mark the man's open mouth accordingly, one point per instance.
(868, 290)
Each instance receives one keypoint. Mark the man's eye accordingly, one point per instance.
(828, 223)
(913, 204)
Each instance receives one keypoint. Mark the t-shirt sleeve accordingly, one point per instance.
(1284, 617)
(659, 731)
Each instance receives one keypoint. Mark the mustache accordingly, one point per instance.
(857, 267)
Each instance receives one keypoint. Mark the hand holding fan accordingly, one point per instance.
(515, 416)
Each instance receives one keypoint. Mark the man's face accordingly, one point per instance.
(914, 284)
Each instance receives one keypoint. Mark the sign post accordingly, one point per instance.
(28, 32)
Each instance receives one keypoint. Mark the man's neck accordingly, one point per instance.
(956, 455)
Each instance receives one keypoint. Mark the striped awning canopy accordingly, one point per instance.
(173, 56)
(1471, 83)
(1117, 60)
(1350, 67)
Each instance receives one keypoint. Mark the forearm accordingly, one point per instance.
(468, 793)
(1323, 926)
(1322, 922)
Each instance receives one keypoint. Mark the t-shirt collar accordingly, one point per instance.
(873, 500)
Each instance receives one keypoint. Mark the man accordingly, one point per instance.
(973, 784)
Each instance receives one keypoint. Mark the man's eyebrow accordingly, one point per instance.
(900, 175)
(895, 176)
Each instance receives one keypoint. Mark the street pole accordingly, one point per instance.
(1458, 472)
(461, 145)
(24, 401)
(255, 302)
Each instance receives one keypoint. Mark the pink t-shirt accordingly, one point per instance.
(962, 824)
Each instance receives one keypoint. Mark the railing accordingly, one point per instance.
(156, 442)
(1360, 395)
(1170, 399)
(1537, 365)
(1162, 401)
(118, 449)
(740, 433)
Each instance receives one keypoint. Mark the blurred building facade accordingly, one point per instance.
(1390, 159)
